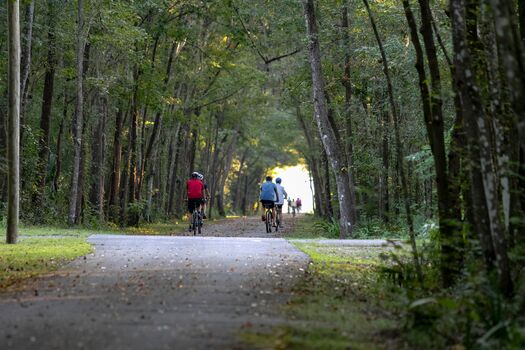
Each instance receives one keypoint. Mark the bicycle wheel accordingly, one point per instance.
(277, 221)
(268, 221)
(194, 222)
(199, 228)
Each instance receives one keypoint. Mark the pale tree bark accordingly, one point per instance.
(510, 45)
(483, 182)
(13, 121)
(327, 133)
(399, 145)
(78, 117)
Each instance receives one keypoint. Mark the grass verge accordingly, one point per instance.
(337, 306)
(34, 256)
(304, 227)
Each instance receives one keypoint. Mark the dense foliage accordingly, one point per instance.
(169, 88)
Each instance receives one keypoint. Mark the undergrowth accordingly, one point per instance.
(354, 297)
(472, 315)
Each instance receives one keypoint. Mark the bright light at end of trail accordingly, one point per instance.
(296, 182)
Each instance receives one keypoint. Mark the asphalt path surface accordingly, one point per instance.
(144, 292)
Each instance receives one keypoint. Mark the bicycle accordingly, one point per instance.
(269, 218)
(196, 221)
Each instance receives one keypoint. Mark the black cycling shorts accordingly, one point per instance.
(194, 203)
(267, 204)
(280, 206)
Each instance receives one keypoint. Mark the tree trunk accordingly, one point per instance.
(113, 206)
(132, 151)
(158, 115)
(399, 145)
(98, 152)
(510, 46)
(348, 113)
(385, 154)
(124, 191)
(13, 121)
(327, 133)
(228, 159)
(58, 167)
(3, 149)
(313, 164)
(451, 257)
(47, 102)
(179, 136)
(78, 121)
(244, 201)
(483, 187)
(79, 211)
(521, 19)
(327, 190)
(26, 55)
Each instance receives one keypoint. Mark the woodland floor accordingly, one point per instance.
(145, 292)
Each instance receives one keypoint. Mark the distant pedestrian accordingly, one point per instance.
(298, 204)
(294, 207)
(289, 205)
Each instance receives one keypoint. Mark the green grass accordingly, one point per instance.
(43, 249)
(34, 256)
(47, 231)
(304, 227)
(337, 305)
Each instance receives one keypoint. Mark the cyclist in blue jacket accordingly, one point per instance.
(269, 195)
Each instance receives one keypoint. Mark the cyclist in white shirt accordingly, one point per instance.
(280, 200)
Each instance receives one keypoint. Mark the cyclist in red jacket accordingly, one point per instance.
(195, 192)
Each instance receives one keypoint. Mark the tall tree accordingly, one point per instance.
(78, 119)
(483, 189)
(327, 133)
(13, 120)
(399, 144)
(434, 123)
(347, 83)
(47, 102)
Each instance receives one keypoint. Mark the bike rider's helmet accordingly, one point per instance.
(194, 175)
(278, 180)
(200, 176)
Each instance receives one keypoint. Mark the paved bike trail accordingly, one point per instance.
(143, 292)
